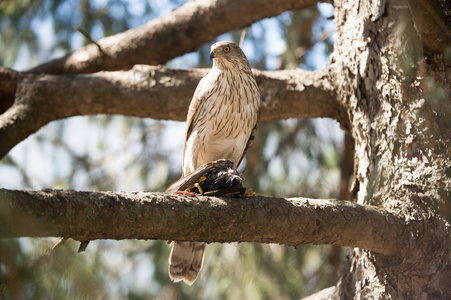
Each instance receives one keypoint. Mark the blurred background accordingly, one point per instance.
(296, 157)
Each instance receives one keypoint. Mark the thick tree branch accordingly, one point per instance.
(88, 216)
(184, 30)
(8, 85)
(149, 92)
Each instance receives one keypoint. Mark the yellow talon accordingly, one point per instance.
(249, 192)
(202, 178)
(198, 187)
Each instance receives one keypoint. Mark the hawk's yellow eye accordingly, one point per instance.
(226, 49)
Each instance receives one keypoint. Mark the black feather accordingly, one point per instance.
(221, 179)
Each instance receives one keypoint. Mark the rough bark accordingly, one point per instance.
(88, 216)
(398, 106)
(149, 92)
(184, 30)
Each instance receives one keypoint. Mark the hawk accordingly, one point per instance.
(221, 124)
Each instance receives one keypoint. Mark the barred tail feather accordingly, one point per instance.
(185, 261)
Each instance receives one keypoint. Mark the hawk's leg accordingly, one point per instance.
(188, 192)
(249, 192)
(197, 184)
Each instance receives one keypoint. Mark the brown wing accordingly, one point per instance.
(184, 182)
(193, 112)
(251, 138)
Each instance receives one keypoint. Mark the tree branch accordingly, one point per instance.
(184, 30)
(148, 92)
(88, 216)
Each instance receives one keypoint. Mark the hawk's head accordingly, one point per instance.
(225, 49)
(229, 55)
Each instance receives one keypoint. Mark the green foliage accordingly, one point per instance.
(42, 274)
(44, 28)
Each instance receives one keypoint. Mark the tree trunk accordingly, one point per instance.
(398, 104)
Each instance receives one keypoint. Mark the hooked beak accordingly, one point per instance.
(212, 54)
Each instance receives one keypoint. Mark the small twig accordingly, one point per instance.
(86, 35)
(83, 245)
(243, 34)
(58, 244)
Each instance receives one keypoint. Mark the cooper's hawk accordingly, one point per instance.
(221, 124)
